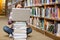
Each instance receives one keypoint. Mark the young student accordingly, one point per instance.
(10, 30)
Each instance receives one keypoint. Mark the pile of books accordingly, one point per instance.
(20, 32)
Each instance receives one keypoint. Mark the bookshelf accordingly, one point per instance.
(45, 17)
(11, 4)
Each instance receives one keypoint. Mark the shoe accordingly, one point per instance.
(10, 35)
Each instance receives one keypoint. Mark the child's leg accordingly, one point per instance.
(29, 30)
(8, 30)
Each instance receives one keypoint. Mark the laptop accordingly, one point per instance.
(21, 14)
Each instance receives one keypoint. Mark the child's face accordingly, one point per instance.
(18, 6)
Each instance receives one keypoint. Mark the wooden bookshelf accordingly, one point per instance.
(49, 11)
(41, 5)
(45, 18)
(44, 32)
(37, 29)
(52, 35)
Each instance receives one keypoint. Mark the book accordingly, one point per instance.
(58, 30)
(48, 13)
(42, 24)
(19, 34)
(19, 39)
(47, 25)
(20, 31)
(43, 1)
(36, 2)
(51, 27)
(33, 11)
(19, 26)
(38, 23)
(38, 11)
(43, 12)
(56, 12)
(28, 2)
(57, 1)
(55, 28)
(53, 0)
(40, 1)
(47, 1)
(31, 2)
(31, 21)
(53, 13)
(25, 3)
(34, 21)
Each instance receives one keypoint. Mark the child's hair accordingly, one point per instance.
(21, 3)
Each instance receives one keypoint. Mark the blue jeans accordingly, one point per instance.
(10, 31)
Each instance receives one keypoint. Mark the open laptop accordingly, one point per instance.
(21, 14)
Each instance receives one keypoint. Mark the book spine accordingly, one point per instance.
(31, 2)
(42, 24)
(58, 30)
(53, 0)
(34, 21)
(38, 12)
(47, 1)
(56, 13)
(33, 11)
(47, 12)
(38, 23)
(43, 12)
(55, 28)
(31, 21)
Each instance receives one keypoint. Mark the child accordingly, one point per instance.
(10, 30)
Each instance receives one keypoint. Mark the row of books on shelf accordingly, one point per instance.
(53, 27)
(12, 2)
(37, 22)
(49, 12)
(50, 26)
(37, 2)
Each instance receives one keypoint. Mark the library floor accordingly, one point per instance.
(33, 36)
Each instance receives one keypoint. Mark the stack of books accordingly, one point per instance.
(20, 32)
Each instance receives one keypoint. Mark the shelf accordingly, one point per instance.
(52, 19)
(34, 6)
(13, 2)
(42, 18)
(35, 16)
(38, 30)
(49, 34)
(45, 4)
(53, 3)
(46, 18)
